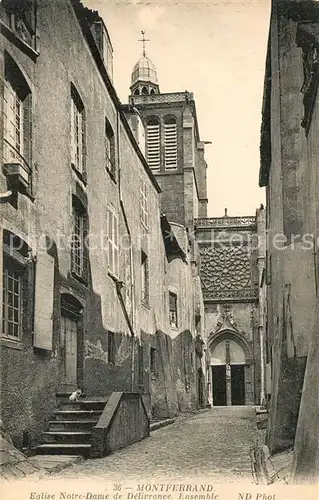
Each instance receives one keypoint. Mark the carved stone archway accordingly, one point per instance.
(230, 382)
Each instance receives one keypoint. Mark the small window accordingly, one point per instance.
(78, 132)
(153, 361)
(144, 204)
(109, 149)
(140, 365)
(78, 256)
(113, 243)
(111, 347)
(170, 143)
(173, 309)
(144, 278)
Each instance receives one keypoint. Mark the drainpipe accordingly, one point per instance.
(119, 284)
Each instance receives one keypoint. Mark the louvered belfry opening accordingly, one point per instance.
(153, 144)
(170, 142)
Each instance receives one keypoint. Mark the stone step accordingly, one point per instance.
(67, 437)
(72, 425)
(82, 404)
(70, 405)
(76, 414)
(93, 404)
(64, 449)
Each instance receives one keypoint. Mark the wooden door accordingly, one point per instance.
(69, 336)
(219, 385)
(237, 385)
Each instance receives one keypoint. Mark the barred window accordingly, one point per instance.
(78, 132)
(153, 144)
(170, 143)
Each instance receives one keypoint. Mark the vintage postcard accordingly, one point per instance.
(159, 249)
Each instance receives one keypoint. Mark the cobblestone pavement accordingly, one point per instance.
(213, 443)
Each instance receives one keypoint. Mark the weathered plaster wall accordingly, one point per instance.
(291, 295)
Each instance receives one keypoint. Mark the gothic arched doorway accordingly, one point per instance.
(230, 370)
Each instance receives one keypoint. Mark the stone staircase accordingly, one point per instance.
(71, 426)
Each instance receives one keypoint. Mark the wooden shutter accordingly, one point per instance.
(43, 307)
(153, 146)
(170, 139)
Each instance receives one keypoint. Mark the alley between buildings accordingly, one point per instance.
(214, 444)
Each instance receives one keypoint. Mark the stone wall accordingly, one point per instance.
(30, 377)
(292, 227)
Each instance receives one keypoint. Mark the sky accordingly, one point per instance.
(217, 50)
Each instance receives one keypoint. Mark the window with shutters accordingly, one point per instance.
(79, 250)
(109, 150)
(170, 143)
(144, 278)
(144, 204)
(113, 243)
(153, 144)
(173, 309)
(78, 132)
(17, 123)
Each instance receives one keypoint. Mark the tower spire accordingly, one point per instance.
(143, 40)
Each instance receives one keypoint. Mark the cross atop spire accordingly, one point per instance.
(144, 40)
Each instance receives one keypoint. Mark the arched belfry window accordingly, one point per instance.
(170, 142)
(153, 143)
(144, 91)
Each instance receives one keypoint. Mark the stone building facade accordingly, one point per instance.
(100, 288)
(232, 252)
(289, 171)
(167, 122)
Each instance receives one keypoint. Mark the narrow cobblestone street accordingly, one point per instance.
(214, 443)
